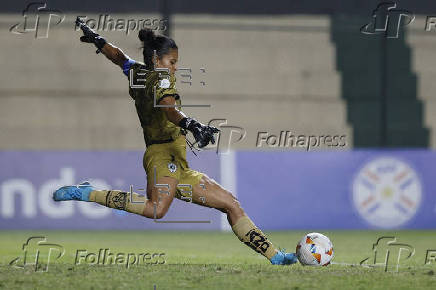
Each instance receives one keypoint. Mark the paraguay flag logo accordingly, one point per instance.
(387, 192)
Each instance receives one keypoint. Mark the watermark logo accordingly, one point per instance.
(286, 139)
(138, 79)
(38, 253)
(106, 257)
(38, 19)
(430, 23)
(389, 254)
(430, 257)
(227, 136)
(104, 22)
(387, 20)
(387, 192)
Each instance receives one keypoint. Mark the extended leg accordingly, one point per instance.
(162, 196)
(210, 194)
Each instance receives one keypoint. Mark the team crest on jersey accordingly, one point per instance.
(172, 167)
(164, 83)
(387, 192)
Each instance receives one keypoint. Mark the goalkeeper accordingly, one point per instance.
(165, 126)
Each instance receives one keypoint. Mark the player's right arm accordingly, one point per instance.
(112, 52)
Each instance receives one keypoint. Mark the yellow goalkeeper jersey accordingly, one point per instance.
(147, 88)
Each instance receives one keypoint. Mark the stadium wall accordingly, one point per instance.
(52, 93)
(58, 95)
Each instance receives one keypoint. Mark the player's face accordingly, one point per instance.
(169, 61)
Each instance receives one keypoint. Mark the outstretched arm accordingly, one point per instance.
(112, 52)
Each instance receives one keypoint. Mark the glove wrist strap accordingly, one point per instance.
(187, 123)
(99, 42)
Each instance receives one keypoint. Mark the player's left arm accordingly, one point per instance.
(173, 114)
(203, 134)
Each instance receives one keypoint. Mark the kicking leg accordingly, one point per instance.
(162, 196)
(210, 194)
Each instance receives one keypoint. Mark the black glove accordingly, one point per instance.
(203, 134)
(90, 36)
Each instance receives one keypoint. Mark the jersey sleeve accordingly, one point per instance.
(127, 65)
(165, 86)
(137, 75)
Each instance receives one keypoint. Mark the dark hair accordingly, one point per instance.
(151, 42)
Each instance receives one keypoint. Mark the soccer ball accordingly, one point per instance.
(315, 249)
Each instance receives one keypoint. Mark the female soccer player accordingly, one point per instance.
(165, 126)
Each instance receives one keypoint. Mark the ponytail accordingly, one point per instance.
(151, 42)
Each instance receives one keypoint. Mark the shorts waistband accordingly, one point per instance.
(171, 139)
(151, 142)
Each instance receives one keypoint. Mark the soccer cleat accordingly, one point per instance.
(282, 258)
(74, 192)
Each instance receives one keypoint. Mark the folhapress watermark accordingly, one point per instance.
(390, 254)
(286, 139)
(106, 257)
(387, 20)
(104, 22)
(37, 252)
(38, 19)
(227, 136)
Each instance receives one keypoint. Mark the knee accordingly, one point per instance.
(233, 205)
(160, 213)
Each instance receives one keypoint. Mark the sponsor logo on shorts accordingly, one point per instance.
(172, 167)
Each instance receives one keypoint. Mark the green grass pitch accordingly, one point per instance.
(212, 260)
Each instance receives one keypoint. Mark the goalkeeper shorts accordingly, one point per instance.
(169, 159)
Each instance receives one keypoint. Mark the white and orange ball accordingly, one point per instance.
(315, 249)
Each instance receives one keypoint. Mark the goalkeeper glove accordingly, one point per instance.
(89, 36)
(203, 134)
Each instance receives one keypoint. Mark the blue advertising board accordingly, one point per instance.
(28, 179)
(339, 190)
(360, 189)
